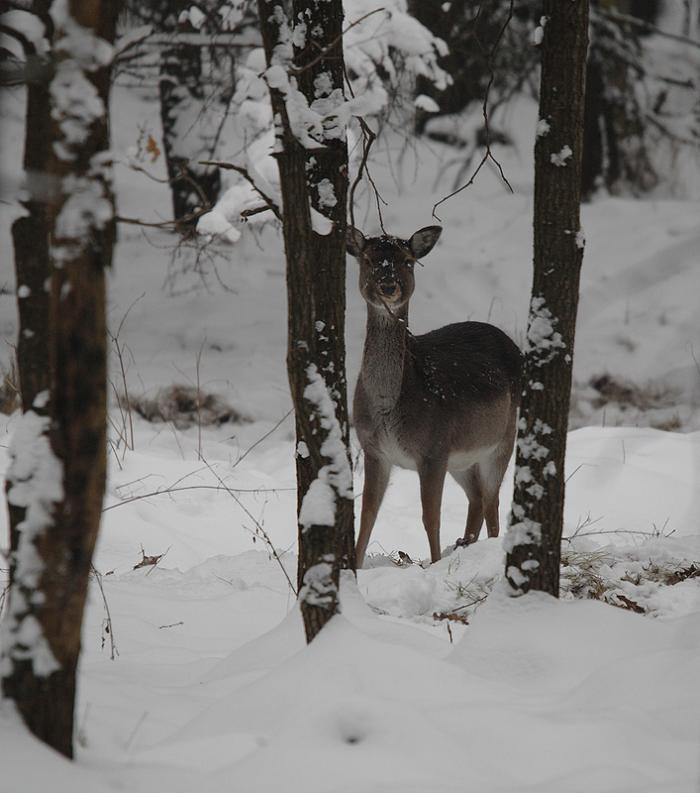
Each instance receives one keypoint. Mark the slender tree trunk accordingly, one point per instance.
(183, 117)
(31, 253)
(313, 169)
(57, 471)
(534, 535)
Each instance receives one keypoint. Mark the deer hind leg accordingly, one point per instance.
(432, 480)
(376, 480)
(470, 482)
(491, 475)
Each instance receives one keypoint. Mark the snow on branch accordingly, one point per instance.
(383, 47)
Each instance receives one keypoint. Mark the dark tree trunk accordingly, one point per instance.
(316, 177)
(58, 465)
(534, 535)
(31, 253)
(183, 112)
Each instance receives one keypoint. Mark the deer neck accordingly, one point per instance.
(384, 356)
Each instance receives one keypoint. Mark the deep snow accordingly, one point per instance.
(213, 688)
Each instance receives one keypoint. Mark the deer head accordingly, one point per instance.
(386, 264)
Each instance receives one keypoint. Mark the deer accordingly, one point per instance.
(438, 403)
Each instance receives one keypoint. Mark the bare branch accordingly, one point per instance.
(229, 166)
(488, 154)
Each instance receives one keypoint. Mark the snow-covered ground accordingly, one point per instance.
(213, 688)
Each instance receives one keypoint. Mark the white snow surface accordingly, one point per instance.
(214, 689)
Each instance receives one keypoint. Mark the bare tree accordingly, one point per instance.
(57, 470)
(534, 535)
(303, 47)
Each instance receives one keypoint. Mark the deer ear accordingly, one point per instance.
(422, 242)
(354, 241)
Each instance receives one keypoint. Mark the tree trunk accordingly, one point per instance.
(57, 471)
(314, 177)
(534, 535)
(31, 253)
(184, 120)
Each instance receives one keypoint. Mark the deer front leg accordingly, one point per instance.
(432, 480)
(376, 480)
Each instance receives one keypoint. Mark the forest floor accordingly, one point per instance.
(432, 680)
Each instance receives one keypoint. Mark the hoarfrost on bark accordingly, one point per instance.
(580, 239)
(318, 506)
(326, 194)
(35, 483)
(561, 157)
(542, 128)
(542, 341)
(523, 532)
(515, 576)
(320, 223)
(334, 479)
(318, 588)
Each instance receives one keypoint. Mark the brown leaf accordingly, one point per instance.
(152, 148)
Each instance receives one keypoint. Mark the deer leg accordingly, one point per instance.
(491, 513)
(471, 484)
(432, 480)
(491, 475)
(376, 481)
(475, 513)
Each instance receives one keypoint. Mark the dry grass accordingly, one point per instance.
(186, 406)
(9, 390)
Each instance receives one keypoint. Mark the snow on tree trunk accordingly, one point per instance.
(57, 466)
(303, 48)
(30, 237)
(188, 128)
(534, 534)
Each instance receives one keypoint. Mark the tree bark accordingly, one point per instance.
(315, 177)
(31, 257)
(534, 535)
(57, 471)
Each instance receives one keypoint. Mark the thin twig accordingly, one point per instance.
(169, 490)
(229, 166)
(108, 625)
(294, 71)
(488, 154)
(263, 437)
(258, 525)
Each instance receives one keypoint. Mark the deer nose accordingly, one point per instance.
(388, 288)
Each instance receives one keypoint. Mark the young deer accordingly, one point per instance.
(442, 402)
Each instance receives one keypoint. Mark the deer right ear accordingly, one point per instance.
(354, 242)
(423, 241)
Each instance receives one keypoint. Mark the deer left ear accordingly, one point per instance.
(423, 241)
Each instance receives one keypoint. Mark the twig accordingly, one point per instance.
(488, 154)
(259, 527)
(229, 166)
(263, 437)
(107, 625)
(616, 16)
(217, 488)
(326, 50)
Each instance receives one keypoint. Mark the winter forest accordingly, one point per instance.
(350, 396)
